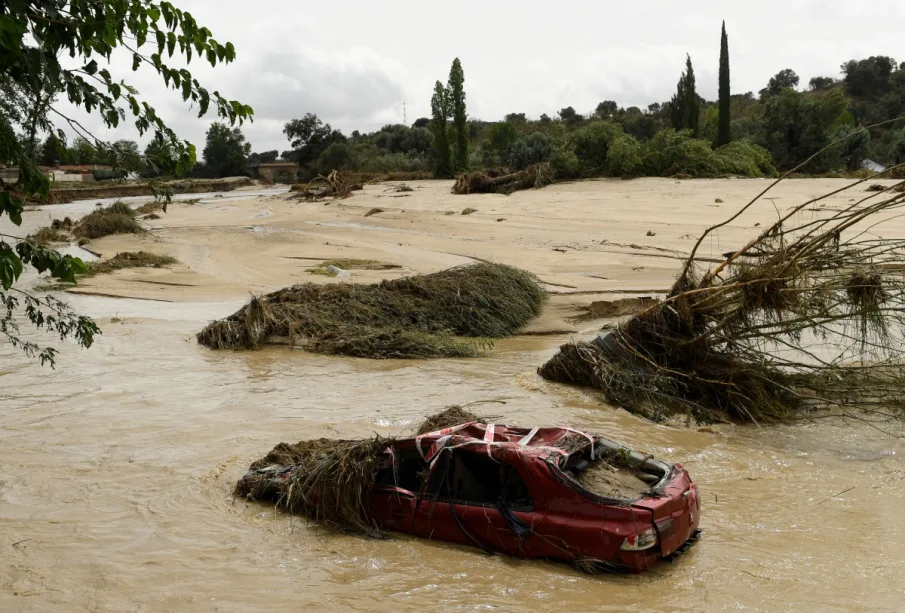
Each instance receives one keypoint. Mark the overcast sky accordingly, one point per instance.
(355, 62)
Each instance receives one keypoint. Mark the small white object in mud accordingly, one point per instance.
(336, 271)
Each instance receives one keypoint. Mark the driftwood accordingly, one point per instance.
(490, 182)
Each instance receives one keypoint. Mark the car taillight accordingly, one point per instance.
(641, 541)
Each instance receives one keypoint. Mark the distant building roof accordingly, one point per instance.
(76, 168)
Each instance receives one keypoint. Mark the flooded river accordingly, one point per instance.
(116, 471)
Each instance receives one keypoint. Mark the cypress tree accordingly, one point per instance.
(440, 127)
(456, 90)
(723, 132)
(692, 102)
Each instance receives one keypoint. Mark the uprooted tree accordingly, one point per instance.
(33, 35)
(808, 315)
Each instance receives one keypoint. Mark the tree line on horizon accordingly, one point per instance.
(738, 134)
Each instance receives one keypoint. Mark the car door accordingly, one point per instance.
(477, 500)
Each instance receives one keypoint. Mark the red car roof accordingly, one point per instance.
(538, 442)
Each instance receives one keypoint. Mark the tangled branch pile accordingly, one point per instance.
(808, 315)
(423, 316)
(336, 184)
(329, 480)
(484, 182)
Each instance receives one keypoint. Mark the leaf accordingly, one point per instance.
(171, 43)
(10, 266)
(136, 61)
(12, 206)
(91, 67)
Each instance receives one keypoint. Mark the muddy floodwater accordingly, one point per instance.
(116, 468)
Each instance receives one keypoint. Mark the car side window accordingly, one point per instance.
(471, 478)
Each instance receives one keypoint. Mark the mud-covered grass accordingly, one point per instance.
(446, 314)
(148, 208)
(47, 236)
(350, 264)
(330, 480)
(118, 218)
(129, 259)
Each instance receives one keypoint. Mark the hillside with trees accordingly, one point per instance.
(747, 134)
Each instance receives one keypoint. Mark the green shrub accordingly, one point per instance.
(896, 151)
(624, 156)
(565, 163)
(671, 153)
(744, 158)
(530, 150)
(591, 144)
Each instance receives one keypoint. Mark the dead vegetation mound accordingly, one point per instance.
(491, 182)
(447, 418)
(149, 208)
(445, 314)
(118, 218)
(806, 316)
(130, 259)
(329, 480)
(327, 267)
(53, 234)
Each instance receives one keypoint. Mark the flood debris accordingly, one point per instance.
(806, 316)
(452, 313)
(497, 182)
(330, 268)
(336, 185)
(118, 218)
(130, 259)
(527, 492)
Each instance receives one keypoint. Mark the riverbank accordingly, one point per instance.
(128, 189)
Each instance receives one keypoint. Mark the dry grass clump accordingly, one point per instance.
(447, 418)
(469, 211)
(806, 316)
(149, 208)
(118, 218)
(420, 316)
(330, 480)
(374, 211)
(48, 235)
(58, 232)
(350, 264)
(129, 259)
(356, 264)
(494, 182)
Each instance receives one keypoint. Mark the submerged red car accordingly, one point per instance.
(553, 493)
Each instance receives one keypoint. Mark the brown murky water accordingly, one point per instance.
(116, 471)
